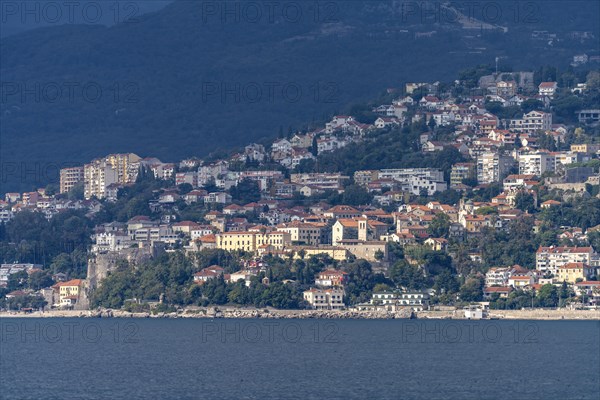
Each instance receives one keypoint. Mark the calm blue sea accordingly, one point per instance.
(298, 359)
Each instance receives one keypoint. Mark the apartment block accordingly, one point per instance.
(303, 233)
(114, 168)
(462, 171)
(416, 180)
(493, 167)
(550, 259)
(323, 181)
(532, 122)
(69, 177)
(536, 163)
(325, 299)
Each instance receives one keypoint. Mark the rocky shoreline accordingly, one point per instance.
(214, 312)
(268, 313)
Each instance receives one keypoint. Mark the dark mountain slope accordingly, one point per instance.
(181, 82)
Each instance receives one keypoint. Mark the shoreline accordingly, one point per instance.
(245, 313)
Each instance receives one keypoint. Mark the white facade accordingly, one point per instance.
(325, 299)
(535, 164)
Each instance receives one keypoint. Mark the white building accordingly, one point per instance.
(111, 241)
(493, 167)
(114, 168)
(396, 300)
(535, 163)
(325, 299)
(415, 180)
(532, 122)
(497, 277)
(550, 259)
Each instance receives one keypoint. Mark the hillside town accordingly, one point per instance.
(500, 206)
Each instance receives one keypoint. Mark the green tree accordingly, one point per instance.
(409, 276)
(472, 290)
(547, 296)
(355, 195)
(525, 202)
(247, 191)
(439, 226)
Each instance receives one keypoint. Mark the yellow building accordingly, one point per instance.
(585, 148)
(69, 292)
(251, 241)
(572, 271)
(69, 177)
(337, 253)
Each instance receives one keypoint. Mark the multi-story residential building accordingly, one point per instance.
(574, 271)
(303, 233)
(263, 178)
(532, 122)
(493, 167)
(462, 171)
(404, 174)
(506, 88)
(211, 172)
(323, 181)
(212, 272)
(536, 163)
(325, 299)
(70, 292)
(562, 159)
(396, 300)
(111, 241)
(341, 211)
(420, 184)
(161, 233)
(547, 89)
(217, 197)
(331, 277)
(251, 241)
(97, 177)
(114, 168)
(588, 116)
(474, 223)
(7, 270)
(586, 148)
(518, 182)
(416, 180)
(6, 215)
(190, 177)
(69, 177)
(550, 259)
(255, 152)
(497, 277)
(363, 178)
